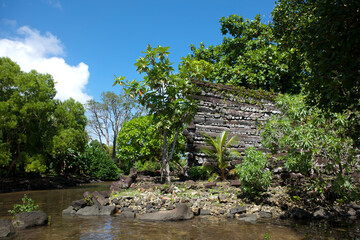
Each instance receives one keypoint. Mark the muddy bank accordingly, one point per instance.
(40, 183)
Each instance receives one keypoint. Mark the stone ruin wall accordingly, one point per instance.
(219, 110)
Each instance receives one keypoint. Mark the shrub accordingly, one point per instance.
(27, 206)
(308, 135)
(98, 163)
(199, 172)
(253, 176)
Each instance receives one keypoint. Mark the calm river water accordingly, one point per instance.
(73, 227)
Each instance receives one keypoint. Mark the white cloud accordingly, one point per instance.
(44, 54)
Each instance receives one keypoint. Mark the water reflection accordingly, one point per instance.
(74, 227)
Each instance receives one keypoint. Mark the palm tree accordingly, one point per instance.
(219, 150)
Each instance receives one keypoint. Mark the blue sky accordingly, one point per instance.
(84, 43)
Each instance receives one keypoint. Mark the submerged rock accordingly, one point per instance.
(181, 212)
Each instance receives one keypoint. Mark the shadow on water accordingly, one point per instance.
(74, 227)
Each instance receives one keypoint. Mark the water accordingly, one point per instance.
(74, 227)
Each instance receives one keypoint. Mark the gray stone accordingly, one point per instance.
(248, 217)
(351, 212)
(181, 212)
(240, 210)
(320, 214)
(97, 197)
(107, 210)
(88, 211)
(6, 228)
(127, 214)
(78, 204)
(264, 214)
(30, 219)
(69, 211)
(204, 212)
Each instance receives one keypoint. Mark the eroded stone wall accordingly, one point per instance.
(222, 108)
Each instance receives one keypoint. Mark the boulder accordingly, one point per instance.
(204, 212)
(248, 217)
(264, 214)
(181, 212)
(78, 204)
(107, 210)
(88, 211)
(298, 213)
(30, 219)
(69, 211)
(240, 210)
(99, 199)
(127, 214)
(321, 214)
(6, 228)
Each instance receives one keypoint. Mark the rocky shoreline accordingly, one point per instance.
(133, 197)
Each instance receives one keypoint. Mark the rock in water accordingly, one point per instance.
(181, 212)
(6, 228)
(30, 219)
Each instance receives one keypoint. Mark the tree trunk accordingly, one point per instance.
(165, 159)
(13, 163)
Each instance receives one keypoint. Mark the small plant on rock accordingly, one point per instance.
(27, 206)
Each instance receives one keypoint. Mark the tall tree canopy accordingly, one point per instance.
(248, 56)
(326, 32)
(36, 131)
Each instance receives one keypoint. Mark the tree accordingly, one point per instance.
(326, 33)
(97, 163)
(219, 150)
(25, 123)
(37, 132)
(164, 94)
(70, 138)
(140, 142)
(108, 116)
(248, 56)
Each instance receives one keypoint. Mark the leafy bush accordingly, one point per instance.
(253, 176)
(199, 172)
(27, 206)
(98, 163)
(307, 136)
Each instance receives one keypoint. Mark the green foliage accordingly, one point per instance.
(248, 56)
(219, 151)
(98, 163)
(26, 206)
(36, 130)
(325, 35)
(164, 94)
(253, 175)
(307, 136)
(200, 172)
(140, 143)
